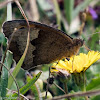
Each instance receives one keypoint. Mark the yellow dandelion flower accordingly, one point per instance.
(78, 63)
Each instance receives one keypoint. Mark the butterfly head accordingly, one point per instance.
(78, 42)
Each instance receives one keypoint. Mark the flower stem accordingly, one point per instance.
(84, 85)
(65, 86)
(66, 89)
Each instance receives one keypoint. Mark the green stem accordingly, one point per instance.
(84, 86)
(66, 89)
(65, 86)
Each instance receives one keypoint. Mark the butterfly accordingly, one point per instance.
(47, 44)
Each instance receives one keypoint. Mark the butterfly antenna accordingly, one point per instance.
(87, 48)
(33, 67)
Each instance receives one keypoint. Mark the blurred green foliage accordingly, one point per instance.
(69, 10)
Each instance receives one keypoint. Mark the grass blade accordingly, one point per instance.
(68, 5)
(81, 7)
(26, 87)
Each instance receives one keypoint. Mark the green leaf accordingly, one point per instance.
(3, 41)
(80, 7)
(58, 13)
(94, 84)
(9, 59)
(94, 39)
(26, 87)
(4, 76)
(96, 97)
(35, 89)
(68, 5)
(16, 70)
(4, 81)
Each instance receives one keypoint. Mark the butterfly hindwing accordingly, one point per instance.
(47, 44)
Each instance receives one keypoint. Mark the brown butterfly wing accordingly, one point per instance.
(49, 47)
(46, 43)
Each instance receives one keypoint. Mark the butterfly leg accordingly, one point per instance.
(67, 59)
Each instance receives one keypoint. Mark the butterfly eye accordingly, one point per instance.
(81, 42)
(78, 42)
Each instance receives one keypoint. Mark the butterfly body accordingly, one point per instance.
(47, 44)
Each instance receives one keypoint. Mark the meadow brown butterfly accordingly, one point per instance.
(47, 44)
